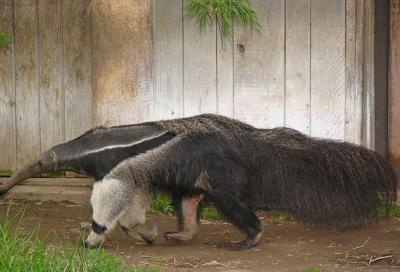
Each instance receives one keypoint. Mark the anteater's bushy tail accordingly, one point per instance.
(42, 164)
(326, 183)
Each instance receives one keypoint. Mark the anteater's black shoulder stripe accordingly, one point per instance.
(152, 143)
(99, 164)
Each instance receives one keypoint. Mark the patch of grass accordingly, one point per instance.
(393, 210)
(21, 251)
(210, 214)
(140, 269)
(313, 269)
(279, 218)
(162, 204)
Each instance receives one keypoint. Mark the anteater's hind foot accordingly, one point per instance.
(187, 209)
(249, 242)
(242, 217)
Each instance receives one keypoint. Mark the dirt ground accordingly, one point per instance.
(287, 246)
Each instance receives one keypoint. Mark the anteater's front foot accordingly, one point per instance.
(142, 234)
(94, 240)
(178, 236)
(87, 245)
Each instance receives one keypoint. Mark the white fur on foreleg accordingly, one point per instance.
(108, 201)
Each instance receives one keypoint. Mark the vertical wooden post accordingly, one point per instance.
(76, 73)
(26, 81)
(394, 86)
(368, 83)
(121, 61)
(168, 59)
(394, 82)
(7, 92)
(50, 77)
(381, 41)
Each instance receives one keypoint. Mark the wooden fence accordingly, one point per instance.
(307, 68)
(45, 87)
(304, 68)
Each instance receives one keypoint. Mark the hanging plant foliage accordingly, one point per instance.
(224, 12)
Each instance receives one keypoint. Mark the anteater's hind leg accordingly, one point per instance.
(110, 197)
(242, 217)
(187, 209)
(133, 220)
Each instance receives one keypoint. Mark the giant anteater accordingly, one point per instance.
(237, 167)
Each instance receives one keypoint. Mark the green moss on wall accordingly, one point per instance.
(5, 39)
(6, 173)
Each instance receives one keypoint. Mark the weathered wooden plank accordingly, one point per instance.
(381, 63)
(225, 75)
(350, 83)
(396, 166)
(51, 93)
(368, 82)
(328, 68)
(199, 73)
(26, 84)
(76, 195)
(121, 69)
(76, 67)
(394, 82)
(168, 59)
(275, 61)
(297, 106)
(7, 95)
(358, 99)
(259, 67)
(69, 182)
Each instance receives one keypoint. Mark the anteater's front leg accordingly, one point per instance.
(187, 209)
(110, 197)
(133, 219)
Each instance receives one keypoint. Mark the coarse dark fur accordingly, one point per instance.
(323, 183)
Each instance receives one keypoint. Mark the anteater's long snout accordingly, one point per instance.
(45, 163)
